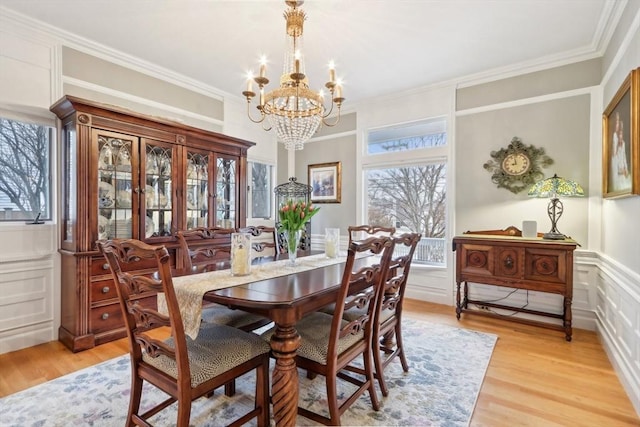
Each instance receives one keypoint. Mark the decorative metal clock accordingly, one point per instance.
(517, 166)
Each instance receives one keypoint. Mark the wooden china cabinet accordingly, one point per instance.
(127, 175)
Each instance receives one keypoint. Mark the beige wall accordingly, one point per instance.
(560, 126)
(530, 85)
(90, 77)
(341, 149)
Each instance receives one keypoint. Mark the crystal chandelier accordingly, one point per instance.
(295, 111)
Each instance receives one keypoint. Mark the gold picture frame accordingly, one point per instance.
(325, 180)
(621, 140)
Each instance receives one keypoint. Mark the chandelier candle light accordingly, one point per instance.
(554, 187)
(294, 215)
(293, 109)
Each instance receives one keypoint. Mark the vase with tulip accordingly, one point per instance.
(294, 215)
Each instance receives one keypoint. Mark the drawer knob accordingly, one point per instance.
(105, 316)
(105, 290)
(105, 266)
(508, 262)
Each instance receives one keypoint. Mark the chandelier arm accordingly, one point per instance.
(326, 123)
(328, 112)
(262, 115)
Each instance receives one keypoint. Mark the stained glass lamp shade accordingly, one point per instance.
(553, 188)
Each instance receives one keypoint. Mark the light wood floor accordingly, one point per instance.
(535, 377)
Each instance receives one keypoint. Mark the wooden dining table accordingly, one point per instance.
(285, 300)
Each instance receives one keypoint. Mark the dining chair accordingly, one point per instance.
(388, 318)
(388, 315)
(208, 245)
(263, 240)
(329, 344)
(360, 232)
(204, 245)
(183, 368)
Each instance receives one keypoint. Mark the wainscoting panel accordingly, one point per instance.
(618, 318)
(29, 290)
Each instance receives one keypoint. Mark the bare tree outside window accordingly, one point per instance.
(410, 197)
(261, 190)
(25, 153)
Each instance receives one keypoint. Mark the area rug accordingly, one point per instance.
(446, 369)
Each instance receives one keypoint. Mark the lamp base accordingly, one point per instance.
(552, 235)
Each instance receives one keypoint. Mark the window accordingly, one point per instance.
(260, 190)
(25, 170)
(414, 136)
(408, 190)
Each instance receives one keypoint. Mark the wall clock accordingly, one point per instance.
(517, 167)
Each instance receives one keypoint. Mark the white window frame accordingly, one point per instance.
(415, 157)
(39, 120)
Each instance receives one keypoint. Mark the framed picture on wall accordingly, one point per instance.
(325, 180)
(621, 140)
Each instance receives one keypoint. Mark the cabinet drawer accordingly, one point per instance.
(108, 317)
(102, 290)
(545, 265)
(99, 266)
(509, 262)
(476, 260)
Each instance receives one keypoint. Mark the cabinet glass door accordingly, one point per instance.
(115, 185)
(226, 191)
(158, 190)
(197, 190)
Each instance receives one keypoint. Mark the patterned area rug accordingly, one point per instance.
(446, 369)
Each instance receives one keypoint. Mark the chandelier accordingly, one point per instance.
(295, 111)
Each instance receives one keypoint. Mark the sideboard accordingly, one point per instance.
(516, 262)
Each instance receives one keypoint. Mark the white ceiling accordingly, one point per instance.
(379, 46)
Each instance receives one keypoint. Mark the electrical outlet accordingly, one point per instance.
(483, 308)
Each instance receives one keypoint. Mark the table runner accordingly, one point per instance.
(190, 289)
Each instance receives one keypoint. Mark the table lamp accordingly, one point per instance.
(554, 187)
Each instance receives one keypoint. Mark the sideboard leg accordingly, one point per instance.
(568, 331)
(458, 306)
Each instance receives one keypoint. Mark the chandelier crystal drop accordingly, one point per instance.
(295, 111)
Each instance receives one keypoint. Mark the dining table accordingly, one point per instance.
(274, 289)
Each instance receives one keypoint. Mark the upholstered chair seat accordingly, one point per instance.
(314, 331)
(218, 349)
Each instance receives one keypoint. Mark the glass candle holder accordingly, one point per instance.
(331, 242)
(240, 254)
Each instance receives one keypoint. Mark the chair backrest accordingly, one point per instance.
(361, 232)
(263, 240)
(360, 288)
(127, 258)
(394, 288)
(204, 245)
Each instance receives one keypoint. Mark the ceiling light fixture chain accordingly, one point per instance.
(295, 111)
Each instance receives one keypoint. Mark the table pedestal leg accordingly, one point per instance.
(284, 378)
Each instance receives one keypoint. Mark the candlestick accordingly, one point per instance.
(338, 92)
(332, 72)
